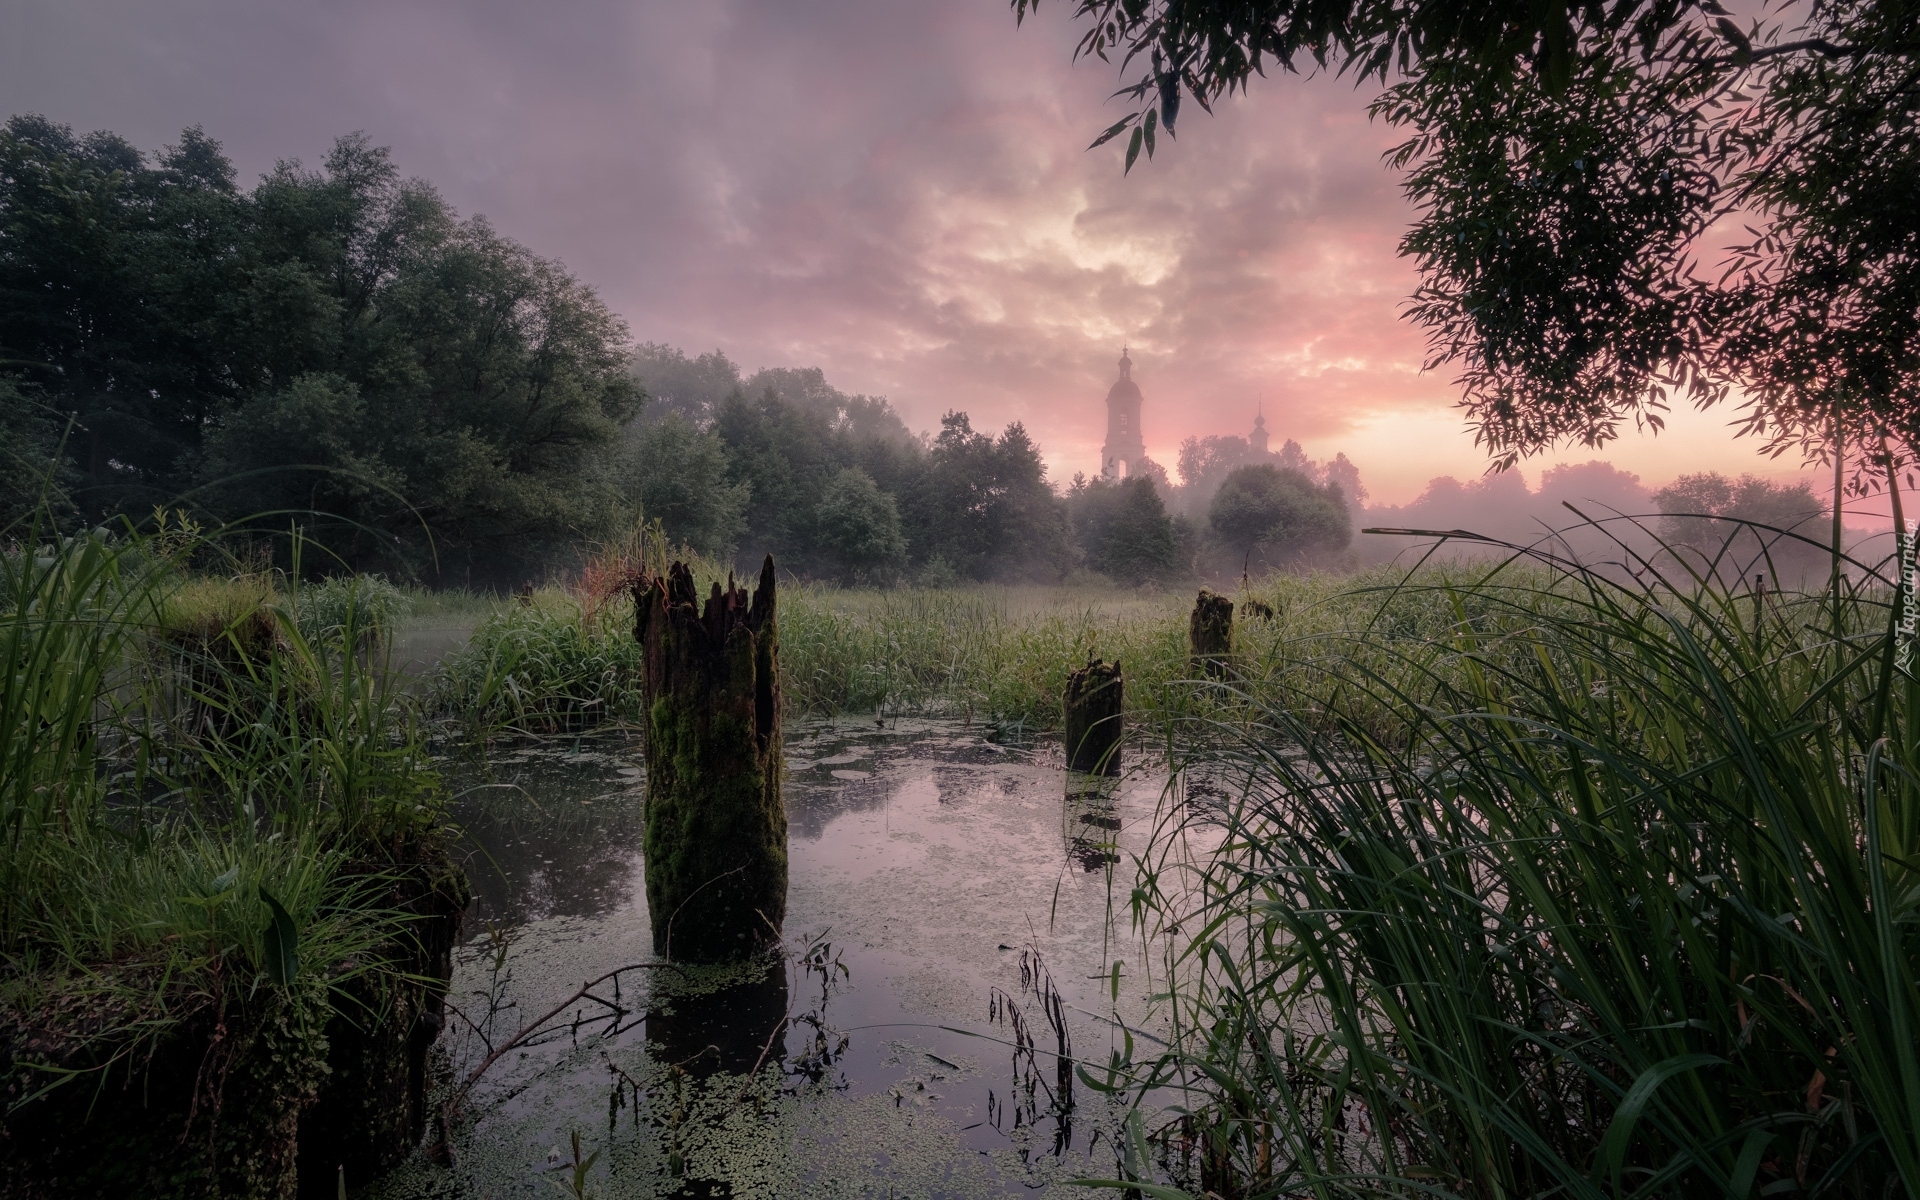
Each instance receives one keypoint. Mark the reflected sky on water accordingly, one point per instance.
(926, 863)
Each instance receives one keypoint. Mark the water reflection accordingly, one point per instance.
(1091, 820)
(735, 1030)
(917, 1052)
(550, 831)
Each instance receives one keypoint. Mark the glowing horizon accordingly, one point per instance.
(896, 194)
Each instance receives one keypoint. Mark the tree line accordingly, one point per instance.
(782, 462)
(1566, 164)
(336, 349)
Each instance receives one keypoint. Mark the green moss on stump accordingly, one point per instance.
(716, 825)
(1094, 707)
(199, 1098)
(1210, 635)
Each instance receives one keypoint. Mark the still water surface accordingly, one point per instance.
(940, 880)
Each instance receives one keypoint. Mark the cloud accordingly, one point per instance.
(898, 193)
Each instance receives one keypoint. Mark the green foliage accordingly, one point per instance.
(1712, 527)
(543, 668)
(856, 527)
(690, 387)
(1564, 888)
(367, 604)
(337, 343)
(676, 473)
(35, 478)
(1123, 529)
(996, 653)
(1278, 513)
(193, 793)
(982, 505)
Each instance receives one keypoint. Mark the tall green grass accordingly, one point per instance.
(1593, 889)
(999, 655)
(192, 790)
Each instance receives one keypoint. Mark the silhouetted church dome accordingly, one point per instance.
(1124, 451)
(1124, 388)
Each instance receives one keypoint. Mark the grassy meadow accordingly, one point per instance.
(1529, 881)
(211, 795)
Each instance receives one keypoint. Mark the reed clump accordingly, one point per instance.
(559, 661)
(206, 814)
(1544, 883)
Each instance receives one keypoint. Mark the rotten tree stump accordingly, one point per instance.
(716, 826)
(1094, 718)
(1210, 634)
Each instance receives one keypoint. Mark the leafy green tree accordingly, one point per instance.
(692, 387)
(983, 507)
(340, 319)
(677, 473)
(861, 418)
(1122, 529)
(113, 282)
(1275, 515)
(1713, 522)
(34, 478)
(856, 529)
(1565, 162)
(785, 455)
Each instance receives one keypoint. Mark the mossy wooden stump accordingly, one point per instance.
(1094, 718)
(1210, 634)
(716, 827)
(222, 1085)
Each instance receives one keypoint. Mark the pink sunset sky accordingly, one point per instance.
(897, 192)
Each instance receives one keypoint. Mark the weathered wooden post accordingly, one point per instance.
(716, 827)
(1094, 718)
(1210, 634)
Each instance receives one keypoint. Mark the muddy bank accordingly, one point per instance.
(218, 1083)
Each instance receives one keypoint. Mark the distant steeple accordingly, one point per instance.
(1258, 438)
(1125, 449)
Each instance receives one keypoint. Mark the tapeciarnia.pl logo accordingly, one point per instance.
(1909, 605)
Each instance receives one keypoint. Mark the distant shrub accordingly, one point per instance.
(364, 603)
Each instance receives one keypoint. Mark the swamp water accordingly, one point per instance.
(950, 902)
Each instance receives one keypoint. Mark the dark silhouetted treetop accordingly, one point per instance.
(1122, 529)
(983, 506)
(337, 341)
(1277, 514)
(1566, 163)
(1733, 528)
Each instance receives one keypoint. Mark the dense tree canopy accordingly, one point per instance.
(1567, 163)
(337, 348)
(1123, 529)
(1274, 515)
(983, 507)
(338, 342)
(678, 474)
(1736, 528)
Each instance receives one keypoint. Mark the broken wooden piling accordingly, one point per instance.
(1210, 635)
(1094, 718)
(716, 826)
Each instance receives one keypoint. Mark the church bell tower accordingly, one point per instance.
(1125, 448)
